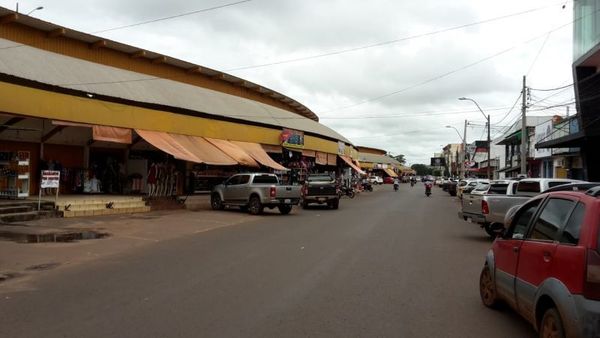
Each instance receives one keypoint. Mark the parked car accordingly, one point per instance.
(451, 187)
(480, 187)
(546, 265)
(321, 189)
(388, 180)
(375, 179)
(489, 210)
(254, 192)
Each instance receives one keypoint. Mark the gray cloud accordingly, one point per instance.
(263, 31)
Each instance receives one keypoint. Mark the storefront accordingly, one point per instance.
(116, 119)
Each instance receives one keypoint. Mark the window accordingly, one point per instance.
(498, 189)
(570, 234)
(528, 187)
(244, 179)
(265, 179)
(521, 221)
(556, 183)
(551, 219)
(233, 180)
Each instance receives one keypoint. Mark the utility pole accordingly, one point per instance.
(489, 146)
(464, 152)
(524, 133)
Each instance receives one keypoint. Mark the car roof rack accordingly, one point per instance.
(594, 191)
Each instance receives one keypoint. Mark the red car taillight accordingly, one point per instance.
(591, 286)
(485, 208)
(273, 192)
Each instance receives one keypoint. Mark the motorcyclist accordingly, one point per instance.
(428, 186)
(396, 184)
(413, 180)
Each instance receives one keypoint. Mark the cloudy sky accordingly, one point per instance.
(384, 73)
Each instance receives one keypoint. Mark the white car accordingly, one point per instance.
(376, 180)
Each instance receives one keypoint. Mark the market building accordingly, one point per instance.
(117, 119)
(377, 162)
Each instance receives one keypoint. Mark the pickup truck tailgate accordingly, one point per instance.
(288, 191)
(471, 204)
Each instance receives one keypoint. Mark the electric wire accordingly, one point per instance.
(171, 17)
(389, 42)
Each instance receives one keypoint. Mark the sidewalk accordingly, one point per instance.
(125, 232)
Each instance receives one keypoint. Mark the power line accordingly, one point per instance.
(428, 113)
(171, 17)
(511, 109)
(389, 42)
(552, 89)
(538, 54)
(380, 97)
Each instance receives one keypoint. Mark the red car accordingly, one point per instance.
(388, 180)
(546, 264)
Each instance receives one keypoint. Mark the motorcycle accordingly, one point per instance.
(367, 186)
(428, 186)
(396, 186)
(344, 190)
(412, 183)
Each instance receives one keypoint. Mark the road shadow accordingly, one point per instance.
(483, 238)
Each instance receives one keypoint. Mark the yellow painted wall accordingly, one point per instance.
(39, 103)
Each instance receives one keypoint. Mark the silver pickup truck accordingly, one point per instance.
(253, 192)
(489, 209)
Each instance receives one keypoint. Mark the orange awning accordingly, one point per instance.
(259, 154)
(390, 172)
(111, 134)
(234, 151)
(204, 150)
(348, 160)
(188, 148)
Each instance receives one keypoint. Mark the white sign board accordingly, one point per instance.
(50, 179)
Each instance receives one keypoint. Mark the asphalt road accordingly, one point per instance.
(386, 264)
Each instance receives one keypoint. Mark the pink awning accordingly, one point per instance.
(259, 154)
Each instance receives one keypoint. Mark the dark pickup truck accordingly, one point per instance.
(321, 189)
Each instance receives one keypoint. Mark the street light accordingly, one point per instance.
(462, 150)
(35, 9)
(489, 143)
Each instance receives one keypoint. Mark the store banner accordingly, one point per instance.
(332, 159)
(111, 134)
(50, 179)
(321, 158)
(309, 153)
(292, 138)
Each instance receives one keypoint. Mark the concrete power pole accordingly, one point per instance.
(463, 153)
(524, 133)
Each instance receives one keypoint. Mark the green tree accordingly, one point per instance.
(422, 169)
(400, 158)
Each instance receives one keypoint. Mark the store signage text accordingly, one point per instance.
(50, 178)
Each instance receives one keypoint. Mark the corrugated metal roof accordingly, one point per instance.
(121, 47)
(373, 158)
(72, 73)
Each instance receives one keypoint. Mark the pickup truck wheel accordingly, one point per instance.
(285, 209)
(493, 230)
(335, 204)
(551, 325)
(254, 206)
(487, 288)
(216, 203)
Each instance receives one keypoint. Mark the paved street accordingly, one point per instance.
(385, 264)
